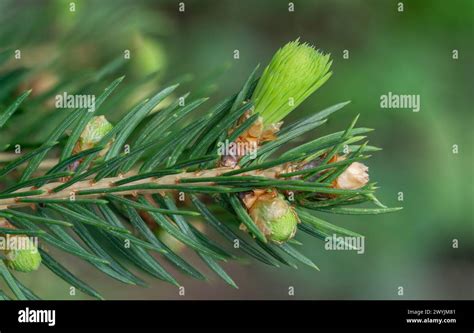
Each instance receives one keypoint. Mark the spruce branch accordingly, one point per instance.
(96, 198)
(91, 189)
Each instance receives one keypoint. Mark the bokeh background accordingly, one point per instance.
(404, 52)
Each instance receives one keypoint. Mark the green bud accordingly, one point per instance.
(274, 217)
(294, 73)
(94, 131)
(27, 259)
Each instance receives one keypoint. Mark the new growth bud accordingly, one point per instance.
(24, 259)
(94, 131)
(273, 215)
(294, 73)
(354, 177)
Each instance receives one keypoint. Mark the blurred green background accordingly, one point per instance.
(408, 52)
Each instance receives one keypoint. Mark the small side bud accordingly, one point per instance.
(27, 259)
(354, 177)
(273, 215)
(294, 73)
(94, 131)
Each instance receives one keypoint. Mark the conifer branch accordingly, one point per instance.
(84, 189)
(96, 193)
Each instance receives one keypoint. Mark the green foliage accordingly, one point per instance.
(122, 198)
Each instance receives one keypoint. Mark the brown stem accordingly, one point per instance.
(109, 182)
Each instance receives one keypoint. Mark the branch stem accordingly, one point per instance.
(107, 183)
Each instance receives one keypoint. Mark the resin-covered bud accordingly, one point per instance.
(354, 177)
(94, 131)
